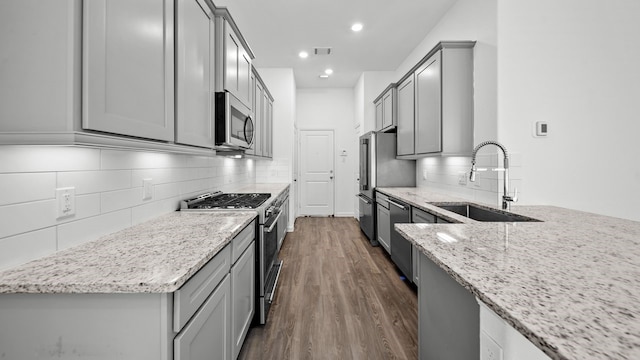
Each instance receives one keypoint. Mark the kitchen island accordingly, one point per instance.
(569, 284)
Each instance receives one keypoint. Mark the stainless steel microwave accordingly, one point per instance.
(234, 128)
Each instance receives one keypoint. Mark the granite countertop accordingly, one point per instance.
(570, 284)
(157, 256)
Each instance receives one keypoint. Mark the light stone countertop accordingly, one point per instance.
(157, 256)
(570, 284)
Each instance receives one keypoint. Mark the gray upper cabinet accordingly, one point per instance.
(262, 118)
(441, 122)
(128, 76)
(428, 124)
(259, 119)
(385, 109)
(234, 57)
(256, 126)
(195, 71)
(268, 128)
(405, 117)
(103, 84)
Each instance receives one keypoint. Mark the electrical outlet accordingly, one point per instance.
(489, 349)
(424, 174)
(66, 201)
(147, 189)
(462, 178)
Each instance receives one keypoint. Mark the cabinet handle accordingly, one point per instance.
(396, 204)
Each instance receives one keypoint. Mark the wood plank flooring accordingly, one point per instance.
(338, 298)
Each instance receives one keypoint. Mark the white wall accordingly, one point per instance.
(369, 86)
(574, 64)
(282, 86)
(333, 109)
(108, 187)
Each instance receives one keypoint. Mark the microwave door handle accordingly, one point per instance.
(248, 121)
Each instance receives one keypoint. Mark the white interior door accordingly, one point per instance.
(316, 173)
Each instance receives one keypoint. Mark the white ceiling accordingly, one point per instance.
(277, 30)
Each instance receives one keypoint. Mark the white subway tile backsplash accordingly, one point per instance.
(116, 159)
(165, 191)
(25, 159)
(159, 176)
(87, 182)
(19, 249)
(108, 192)
(81, 231)
(24, 217)
(153, 209)
(120, 199)
(25, 187)
(443, 175)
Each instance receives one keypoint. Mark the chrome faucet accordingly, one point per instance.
(506, 198)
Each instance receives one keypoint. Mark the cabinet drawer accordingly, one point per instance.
(242, 241)
(194, 292)
(421, 216)
(382, 200)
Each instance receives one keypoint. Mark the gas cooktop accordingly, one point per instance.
(219, 200)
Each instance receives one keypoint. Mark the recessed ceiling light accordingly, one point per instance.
(303, 54)
(356, 27)
(324, 76)
(328, 71)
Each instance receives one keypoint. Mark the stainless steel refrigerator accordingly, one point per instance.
(380, 168)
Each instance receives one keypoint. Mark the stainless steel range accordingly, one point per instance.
(267, 264)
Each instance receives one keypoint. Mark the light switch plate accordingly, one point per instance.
(66, 201)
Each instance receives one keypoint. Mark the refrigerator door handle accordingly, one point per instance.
(364, 164)
(364, 199)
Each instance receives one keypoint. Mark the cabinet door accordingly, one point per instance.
(206, 336)
(194, 73)
(387, 108)
(384, 227)
(405, 117)
(237, 70)
(244, 76)
(242, 296)
(269, 127)
(379, 115)
(128, 68)
(258, 116)
(428, 125)
(252, 101)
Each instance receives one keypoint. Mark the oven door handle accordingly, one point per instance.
(270, 229)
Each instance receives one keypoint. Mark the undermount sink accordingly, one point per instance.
(481, 213)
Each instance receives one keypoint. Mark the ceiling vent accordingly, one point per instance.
(322, 51)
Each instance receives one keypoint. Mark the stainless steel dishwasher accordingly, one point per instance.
(400, 213)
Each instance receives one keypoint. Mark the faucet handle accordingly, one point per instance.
(515, 195)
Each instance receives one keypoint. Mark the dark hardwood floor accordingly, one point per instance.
(338, 298)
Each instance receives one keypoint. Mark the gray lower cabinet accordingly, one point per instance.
(448, 316)
(383, 221)
(206, 318)
(243, 295)
(206, 336)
